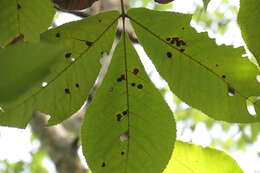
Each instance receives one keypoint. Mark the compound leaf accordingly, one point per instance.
(128, 126)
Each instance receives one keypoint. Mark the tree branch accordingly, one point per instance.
(61, 147)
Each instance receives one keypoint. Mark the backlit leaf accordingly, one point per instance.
(24, 17)
(190, 158)
(128, 126)
(69, 79)
(214, 79)
(248, 19)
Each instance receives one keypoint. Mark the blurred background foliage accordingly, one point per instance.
(192, 125)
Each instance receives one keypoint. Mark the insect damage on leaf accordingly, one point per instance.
(103, 164)
(57, 35)
(135, 71)
(124, 137)
(67, 90)
(121, 78)
(89, 43)
(119, 117)
(18, 6)
(68, 55)
(169, 54)
(231, 90)
(140, 86)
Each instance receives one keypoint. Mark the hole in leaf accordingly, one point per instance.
(44, 84)
(72, 60)
(19, 6)
(231, 91)
(135, 71)
(258, 78)
(250, 105)
(169, 54)
(1, 109)
(119, 117)
(133, 84)
(103, 164)
(77, 85)
(89, 43)
(140, 86)
(68, 55)
(57, 35)
(223, 76)
(124, 137)
(67, 90)
(122, 153)
(251, 109)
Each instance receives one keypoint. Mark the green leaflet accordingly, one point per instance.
(29, 18)
(248, 19)
(128, 126)
(190, 158)
(214, 79)
(69, 79)
(23, 65)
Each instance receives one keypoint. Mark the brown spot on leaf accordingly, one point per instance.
(125, 112)
(135, 71)
(89, 43)
(110, 89)
(103, 164)
(182, 42)
(68, 55)
(119, 117)
(122, 153)
(140, 86)
(19, 6)
(57, 35)
(133, 84)
(231, 91)
(122, 77)
(169, 54)
(77, 85)
(182, 50)
(224, 76)
(168, 39)
(67, 90)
